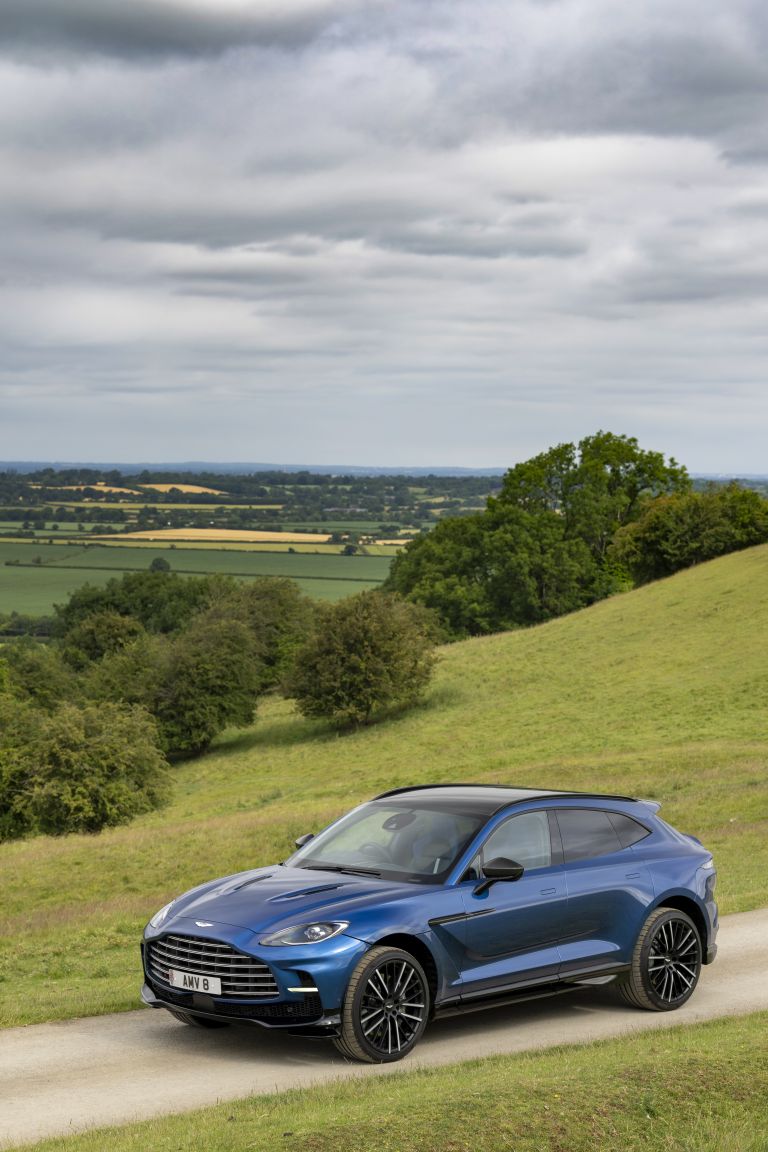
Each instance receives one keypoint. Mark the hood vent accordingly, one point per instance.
(284, 896)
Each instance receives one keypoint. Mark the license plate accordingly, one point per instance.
(194, 982)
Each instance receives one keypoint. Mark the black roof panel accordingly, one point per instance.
(485, 798)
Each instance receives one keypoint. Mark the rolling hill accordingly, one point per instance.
(661, 692)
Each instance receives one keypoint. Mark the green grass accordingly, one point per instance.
(34, 588)
(662, 692)
(701, 1088)
(34, 591)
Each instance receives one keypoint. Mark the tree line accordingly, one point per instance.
(569, 527)
(149, 669)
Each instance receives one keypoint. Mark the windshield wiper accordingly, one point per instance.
(341, 868)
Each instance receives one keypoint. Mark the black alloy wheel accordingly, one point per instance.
(666, 963)
(386, 1007)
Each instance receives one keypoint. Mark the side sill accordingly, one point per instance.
(536, 990)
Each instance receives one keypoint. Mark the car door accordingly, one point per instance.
(609, 887)
(511, 929)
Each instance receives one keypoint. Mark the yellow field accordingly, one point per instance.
(100, 485)
(136, 506)
(212, 534)
(272, 545)
(394, 543)
(190, 489)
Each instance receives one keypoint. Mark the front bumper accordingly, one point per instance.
(322, 968)
(308, 1017)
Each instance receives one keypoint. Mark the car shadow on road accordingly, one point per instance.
(537, 1023)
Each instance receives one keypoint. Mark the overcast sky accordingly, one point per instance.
(431, 232)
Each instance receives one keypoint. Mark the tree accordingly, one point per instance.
(687, 528)
(96, 635)
(77, 769)
(278, 615)
(213, 680)
(159, 564)
(540, 548)
(370, 652)
(596, 486)
(194, 685)
(36, 672)
(160, 601)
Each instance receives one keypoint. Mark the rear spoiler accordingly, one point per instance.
(654, 805)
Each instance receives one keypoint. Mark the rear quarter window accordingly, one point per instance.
(586, 832)
(629, 831)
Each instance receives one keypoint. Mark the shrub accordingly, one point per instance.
(37, 672)
(194, 685)
(96, 635)
(680, 530)
(370, 652)
(79, 769)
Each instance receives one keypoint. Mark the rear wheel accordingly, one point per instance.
(195, 1021)
(666, 962)
(385, 1008)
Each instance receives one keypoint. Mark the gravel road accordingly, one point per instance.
(76, 1074)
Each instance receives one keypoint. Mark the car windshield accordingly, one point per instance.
(394, 840)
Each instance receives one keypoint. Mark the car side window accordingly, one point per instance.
(523, 838)
(586, 832)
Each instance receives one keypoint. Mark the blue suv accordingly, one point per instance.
(436, 900)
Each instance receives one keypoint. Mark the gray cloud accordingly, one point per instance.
(467, 229)
(138, 29)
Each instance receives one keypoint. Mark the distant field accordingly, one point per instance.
(136, 505)
(64, 528)
(97, 487)
(34, 591)
(244, 536)
(32, 588)
(189, 489)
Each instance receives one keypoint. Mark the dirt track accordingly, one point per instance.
(63, 1077)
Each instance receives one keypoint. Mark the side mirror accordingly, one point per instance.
(305, 839)
(498, 869)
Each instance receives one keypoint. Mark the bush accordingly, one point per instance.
(160, 601)
(36, 672)
(369, 653)
(194, 685)
(96, 635)
(678, 531)
(212, 682)
(279, 617)
(78, 769)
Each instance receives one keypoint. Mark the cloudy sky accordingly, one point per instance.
(428, 232)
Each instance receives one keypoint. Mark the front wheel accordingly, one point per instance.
(385, 1008)
(666, 962)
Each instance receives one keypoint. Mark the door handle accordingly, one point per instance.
(633, 875)
(548, 891)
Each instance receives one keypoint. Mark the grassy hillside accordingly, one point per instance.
(662, 692)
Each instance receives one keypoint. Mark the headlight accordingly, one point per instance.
(306, 933)
(160, 916)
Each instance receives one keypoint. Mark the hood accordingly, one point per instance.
(267, 898)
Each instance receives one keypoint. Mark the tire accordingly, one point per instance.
(666, 962)
(196, 1021)
(385, 1008)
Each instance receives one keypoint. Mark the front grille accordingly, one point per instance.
(240, 975)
